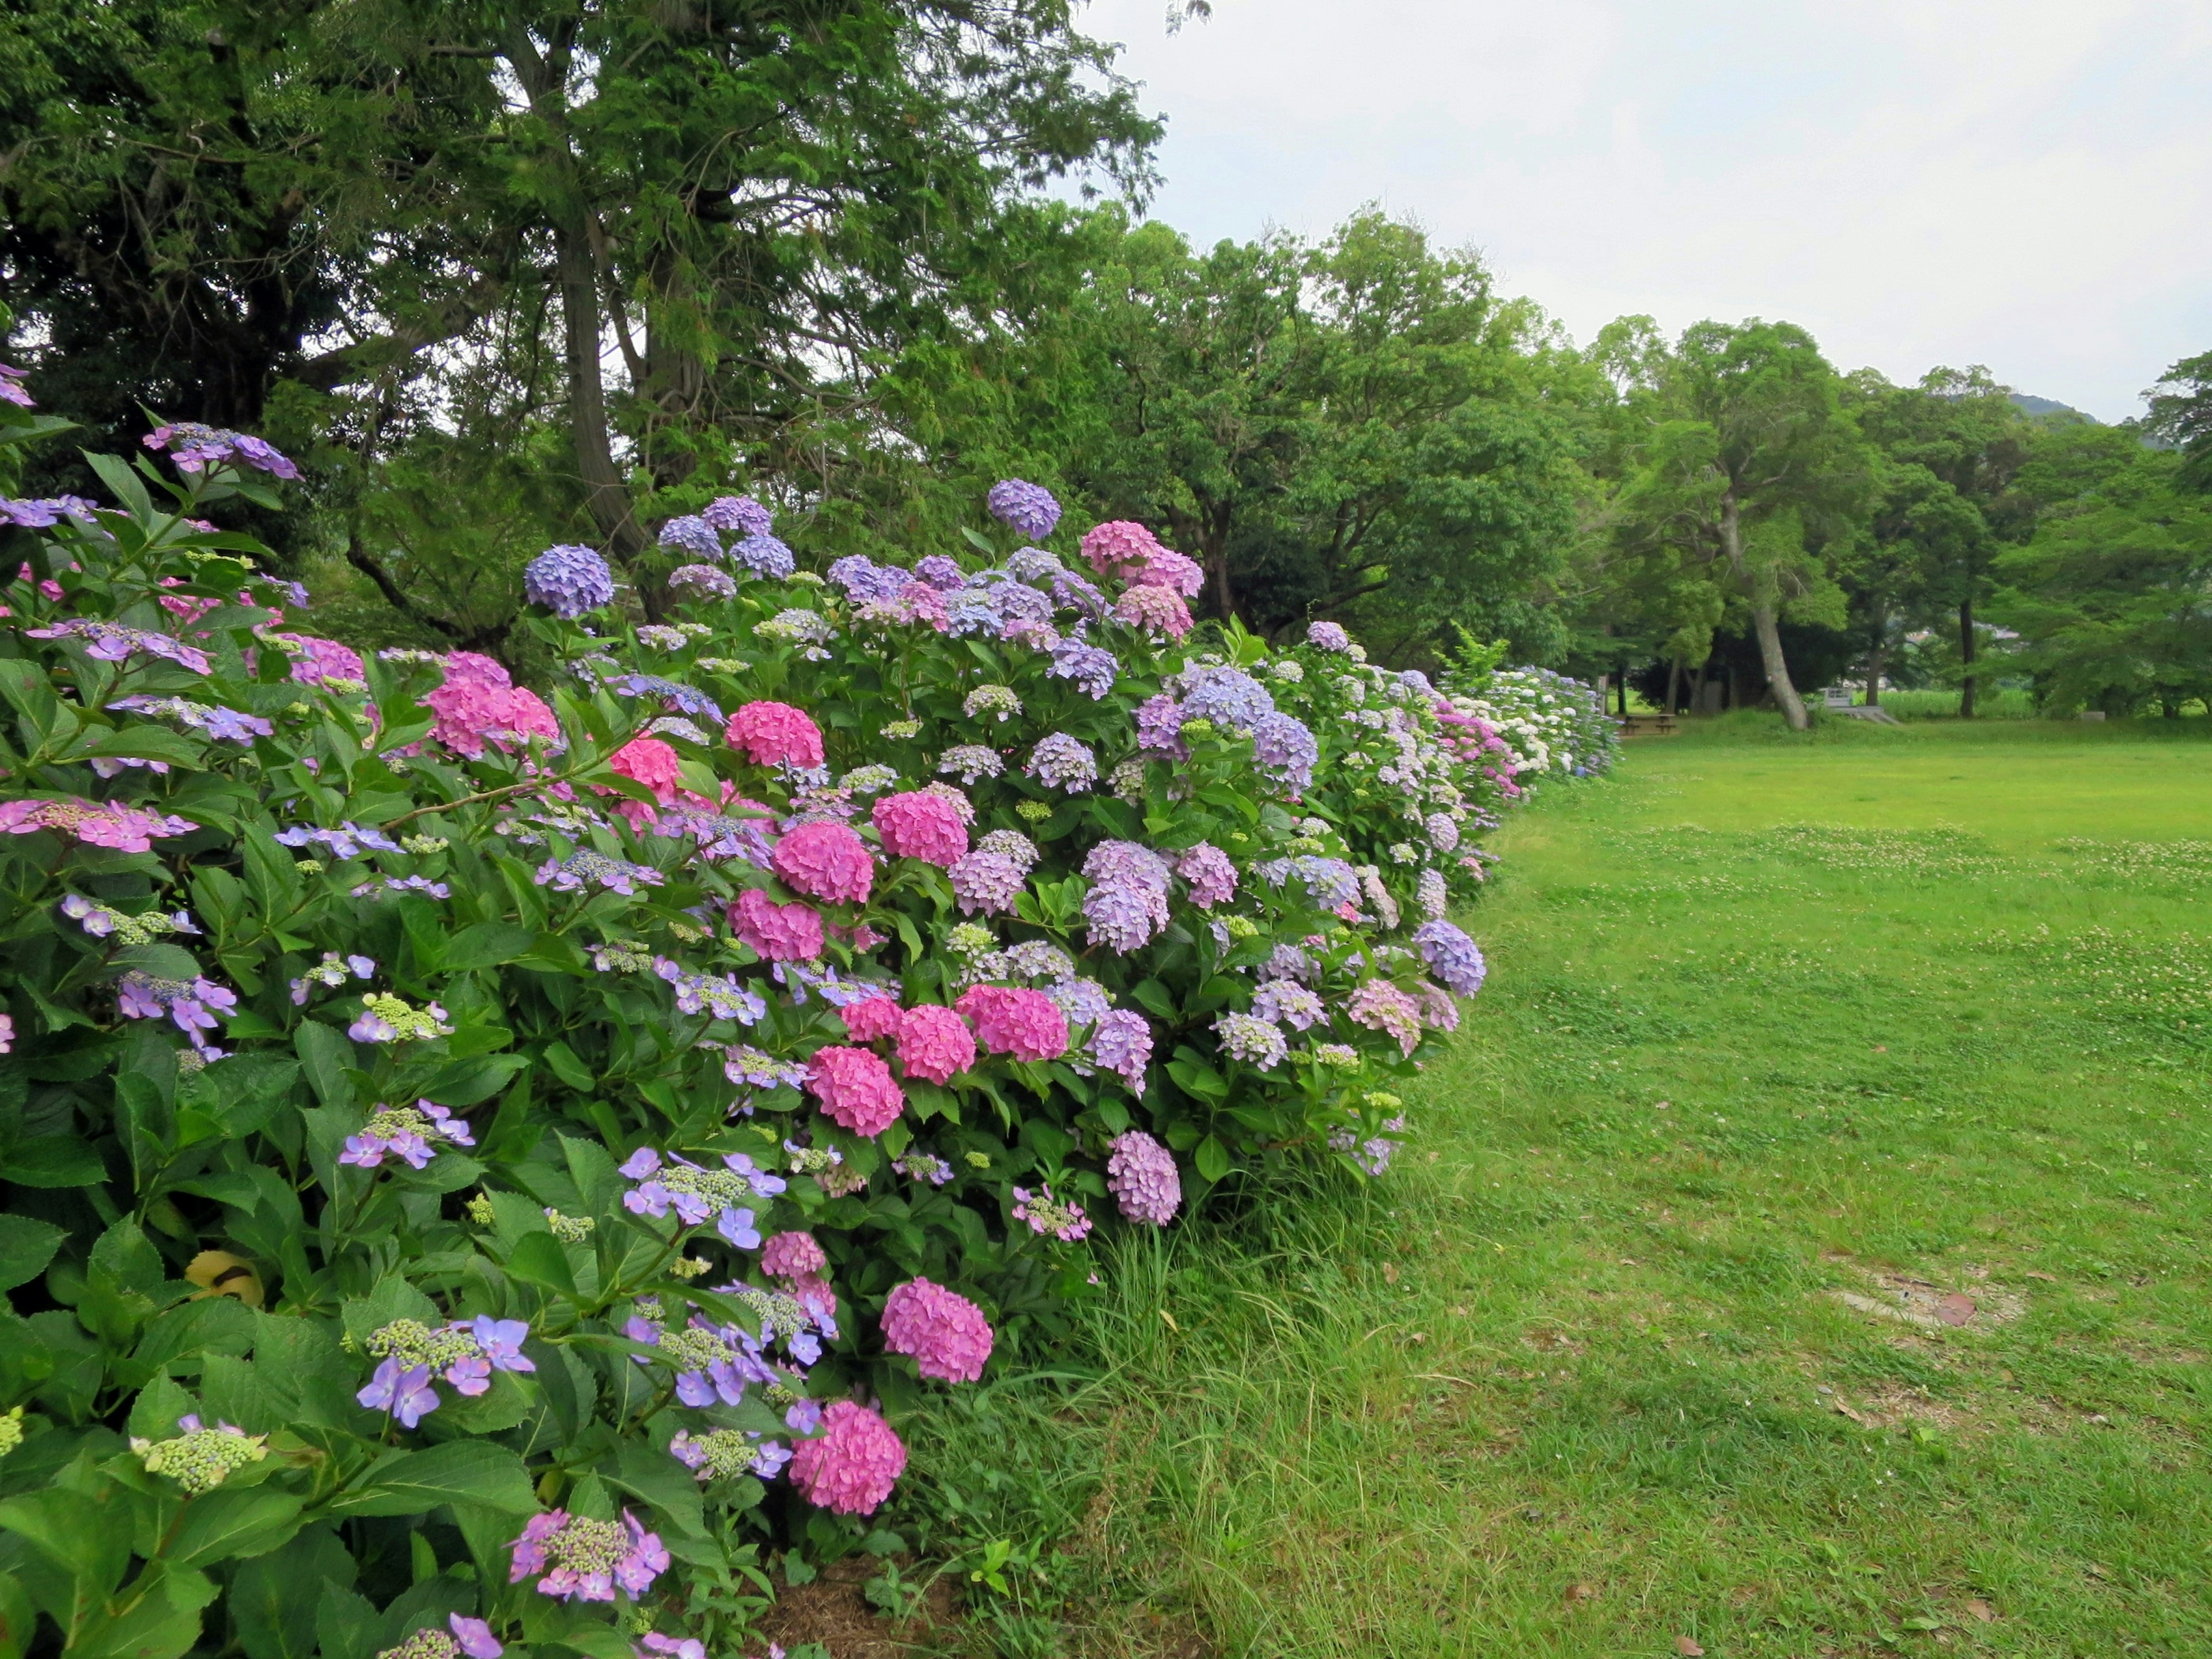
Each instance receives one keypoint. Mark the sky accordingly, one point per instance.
(2022, 183)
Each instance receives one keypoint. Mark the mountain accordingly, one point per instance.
(2049, 407)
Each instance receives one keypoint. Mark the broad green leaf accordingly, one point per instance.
(86, 1539)
(26, 1247)
(462, 1471)
(273, 1598)
(1212, 1158)
(230, 1523)
(161, 1623)
(19, 1619)
(327, 1057)
(537, 1258)
(52, 1161)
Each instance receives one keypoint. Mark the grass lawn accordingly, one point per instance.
(1802, 1252)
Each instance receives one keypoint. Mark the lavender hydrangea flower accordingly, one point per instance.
(1209, 872)
(1159, 724)
(1227, 696)
(568, 581)
(406, 1131)
(697, 1194)
(345, 841)
(1082, 1002)
(581, 869)
(1060, 761)
(1141, 1175)
(941, 572)
(764, 556)
(1452, 957)
(1091, 667)
(191, 1005)
(1255, 1042)
(987, 882)
(970, 760)
(971, 610)
(1285, 1001)
(1123, 917)
(47, 511)
(1327, 636)
(195, 447)
(864, 578)
(1122, 1042)
(1282, 744)
(692, 534)
(703, 581)
(113, 642)
(1431, 893)
(739, 513)
(1028, 508)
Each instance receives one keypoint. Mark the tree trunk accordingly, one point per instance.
(1763, 619)
(1673, 685)
(607, 498)
(1966, 658)
(1875, 664)
(1697, 686)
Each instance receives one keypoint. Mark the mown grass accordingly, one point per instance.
(1772, 1022)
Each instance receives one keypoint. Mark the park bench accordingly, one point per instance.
(1648, 725)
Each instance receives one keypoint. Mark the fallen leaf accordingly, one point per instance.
(1845, 1410)
(1389, 1273)
(2047, 1278)
(1579, 1593)
(1881, 1048)
(1982, 1610)
(2097, 1570)
(1689, 1648)
(1955, 1309)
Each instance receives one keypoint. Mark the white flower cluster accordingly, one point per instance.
(1552, 723)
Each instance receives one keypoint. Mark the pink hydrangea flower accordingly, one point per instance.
(652, 762)
(1027, 1024)
(944, 1333)
(1159, 609)
(852, 1468)
(1119, 547)
(934, 1043)
(774, 733)
(1211, 875)
(776, 933)
(855, 1087)
(315, 661)
(921, 825)
(869, 1021)
(586, 1560)
(96, 823)
(1141, 1175)
(1169, 568)
(479, 701)
(793, 1255)
(826, 861)
(1439, 1012)
(1381, 1007)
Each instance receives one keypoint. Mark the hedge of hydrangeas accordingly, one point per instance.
(493, 1164)
(1532, 721)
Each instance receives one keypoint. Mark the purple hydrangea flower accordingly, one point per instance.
(864, 578)
(1123, 917)
(1159, 724)
(12, 389)
(987, 882)
(195, 447)
(47, 511)
(1121, 1041)
(940, 573)
(407, 1133)
(764, 556)
(1028, 508)
(703, 581)
(1254, 1041)
(568, 581)
(1060, 761)
(739, 513)
(113, 642)
(1227, 696)
(1327, 636)
(1141, 1175)
(1282, 744)
(1285, 1001)
(1453, 958)
(403, 1390)
(1091, 667)
(694, 535)
(971, 610)
(1209, 872)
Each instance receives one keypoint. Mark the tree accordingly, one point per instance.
(1945, 454)
(757, 204)
(1743, 460)
(2181, 414)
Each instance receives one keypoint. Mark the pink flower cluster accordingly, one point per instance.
(1120, 547)
(872, 1020)
(1211, 874)
(1141, 1175)
(826, 861)
(1159, 609)
(479, 701)
(1027, 1024)
(774, 734)
(793, 1255)
(1381, 1007)
(652, 762)
(96, 823)
(923, 825)
(934, 1043)
(944, 1333)
(586, 1560)
(855, 1087)
(853, 1466)
(776, 933)
(316, 662)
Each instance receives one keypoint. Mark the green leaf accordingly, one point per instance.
(87, 1538)
(160, 961)
(161, 1623)
(487, 945)
(462, 1471)
(661, 1481)
(230, 1523)
(149, 743)
(537, 1258)
(1212, 1158)
(273, 1598)
(19, 1619)
(128, 488)
(26, 1247)
(561, 1060)
(327, 1057)
(53, 1161)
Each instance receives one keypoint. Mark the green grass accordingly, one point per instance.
(1772, 1022)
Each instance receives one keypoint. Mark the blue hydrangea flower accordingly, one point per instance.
(764, 556)
(568, 581)
(1453, 958)
(1227, 696)
(693, 535)
(1028, 508)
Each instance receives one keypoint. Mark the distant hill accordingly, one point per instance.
(2028, 405)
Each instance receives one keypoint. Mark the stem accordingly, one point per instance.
(505, 791)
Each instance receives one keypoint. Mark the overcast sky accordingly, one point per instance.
(2026, 184)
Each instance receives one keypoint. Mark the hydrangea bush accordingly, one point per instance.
(1544, 723)
(492, 1163)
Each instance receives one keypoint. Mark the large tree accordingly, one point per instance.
(1742, 458)
(733, 214)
